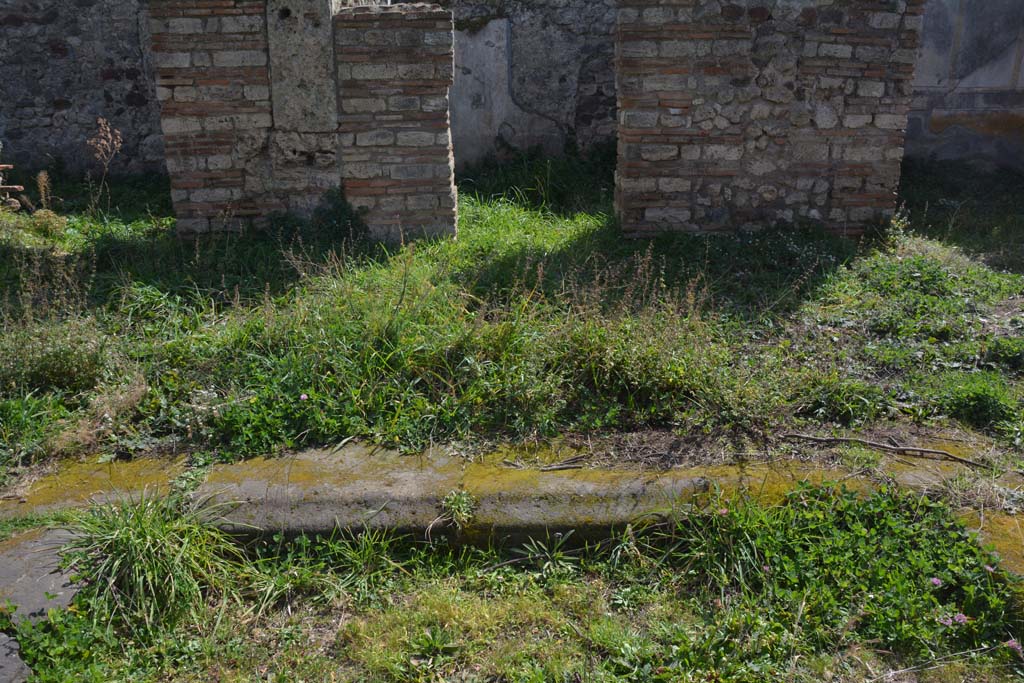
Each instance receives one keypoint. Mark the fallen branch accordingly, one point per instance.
(573, 463)
(899, 450)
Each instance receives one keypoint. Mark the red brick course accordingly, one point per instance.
(394, 73)
(213, 83)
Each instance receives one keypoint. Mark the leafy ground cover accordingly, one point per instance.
(120, 339)
(828, 585)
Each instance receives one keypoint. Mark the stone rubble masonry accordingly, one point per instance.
(761, 112)
(63, 65)
(266, 105)
(528, 73)
(394, 69)
(304, 142)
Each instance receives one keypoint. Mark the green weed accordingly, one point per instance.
(730, 590)
(539, 319)
(1007, 351)
(148, 564)
(459, 507)
(26, 423)
(980, 400)
(69, 357)
(847, 401)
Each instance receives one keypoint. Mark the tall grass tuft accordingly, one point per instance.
(151, 563)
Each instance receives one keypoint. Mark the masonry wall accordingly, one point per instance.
(63, 65)
(267, 105)
(394, 72)
(745, 115)
(528, 73)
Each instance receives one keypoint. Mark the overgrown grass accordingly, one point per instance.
(828, 585)
(539, 319)
(153, 561)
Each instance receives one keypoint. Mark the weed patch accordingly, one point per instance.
(730, 590)
(540, 319)
(844, 401)
(149, 564)
(981, 400)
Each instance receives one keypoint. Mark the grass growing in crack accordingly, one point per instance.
(540, 319)
(11, 526)
(459, 507)
(827, 584)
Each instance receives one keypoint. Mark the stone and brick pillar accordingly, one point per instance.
(751, 113)
(213, 83)
(394, 69)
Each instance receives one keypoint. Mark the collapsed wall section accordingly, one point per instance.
(394, 72)
(762, 112)
(213, 83)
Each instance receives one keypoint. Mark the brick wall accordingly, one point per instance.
(268, 104)
(213, 83)
(394, 73)
(759, 112)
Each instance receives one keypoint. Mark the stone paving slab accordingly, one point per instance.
(30, 573)
(12, 669)
(31, 580)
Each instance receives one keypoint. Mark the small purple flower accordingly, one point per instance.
(945, 621)
(723, 512)
(961, 618)
(936, 581)
(990, 569)
(1015, 646)
(766, 569)
(304, 397)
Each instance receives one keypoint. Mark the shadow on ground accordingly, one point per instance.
(751, 275)
(981, 211)
(131, 239)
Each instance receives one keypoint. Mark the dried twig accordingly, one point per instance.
(933, 664)
(573, 463)
(912, 451)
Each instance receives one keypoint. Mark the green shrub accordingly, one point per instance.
(832, 398)
(149, 563)
(48, 224)
(980, 400)
(25, 425)
(70, 356)
(894, 568)
(1007, 351)
(69, 645)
